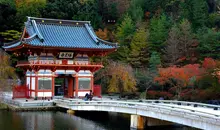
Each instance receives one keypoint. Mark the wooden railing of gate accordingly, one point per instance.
(21, 91)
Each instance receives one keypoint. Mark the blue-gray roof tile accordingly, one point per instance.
(71, 34)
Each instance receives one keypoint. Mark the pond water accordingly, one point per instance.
(52, 120)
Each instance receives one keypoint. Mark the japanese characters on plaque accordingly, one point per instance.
(66, 55)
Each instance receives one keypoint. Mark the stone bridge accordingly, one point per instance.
(153, 112)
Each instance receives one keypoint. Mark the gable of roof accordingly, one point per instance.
(61, 33)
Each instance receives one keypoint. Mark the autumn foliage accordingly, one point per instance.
(181, 80)
(209, 63)
(103, 34)
(182, 74)
(7, 73)
(121, 78)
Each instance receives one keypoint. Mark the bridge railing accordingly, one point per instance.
(143, 105)
(184, 103)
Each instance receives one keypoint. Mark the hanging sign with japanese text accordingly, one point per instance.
(66, 55)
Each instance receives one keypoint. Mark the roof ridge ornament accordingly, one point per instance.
(37, 31)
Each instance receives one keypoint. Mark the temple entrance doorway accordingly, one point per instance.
(64, 85)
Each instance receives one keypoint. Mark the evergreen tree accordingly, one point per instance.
(200, 13)
(7, 15)
(88, 11)
(209, 43)
(124, 35)
(139, 48)
(152, 72)
(154, 62)
(125, 31)
(158, 32)
(186, 10)
(122, 54)
(29, 8)
(136, 11)
(61, 9)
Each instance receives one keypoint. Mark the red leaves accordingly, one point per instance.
(209, 63)
(183, 74)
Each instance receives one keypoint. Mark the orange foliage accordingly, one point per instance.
(183, 74)
(103, 34)
(147, 14)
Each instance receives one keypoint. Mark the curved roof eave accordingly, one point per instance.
(12, 45)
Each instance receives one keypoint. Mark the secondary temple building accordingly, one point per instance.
(59, 53)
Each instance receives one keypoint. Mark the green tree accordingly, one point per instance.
(10, 35)
(186, 10)
(136, 11)
(200, 13)
(29, 8)
(125, 31)
(154, 63)
(108, 11)
(124, 36)
(158, 32)
(61, 9)
(88, 11)
(7, 15)
(149, 74)
(139, 48)
(209, 43)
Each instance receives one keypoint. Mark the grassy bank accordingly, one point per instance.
(3, 106)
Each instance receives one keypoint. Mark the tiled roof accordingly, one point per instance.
(62, 33)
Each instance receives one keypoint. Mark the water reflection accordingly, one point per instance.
(62, 121)
(56, 121)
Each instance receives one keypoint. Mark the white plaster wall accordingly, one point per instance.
(84, 73)
(33, 83)
(70, 62)
(82, 62)
(60, 71)
(58, 61)
(32, 94)
(70, 72)
(81, 94)
(42, 71)
(28, 81)
(44, 94)
(65, 72)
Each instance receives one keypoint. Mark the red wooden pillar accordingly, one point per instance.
(70, 87)
(76, 85)
(92, 82)
(36, 84)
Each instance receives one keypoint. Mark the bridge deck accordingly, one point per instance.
(197, 115)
